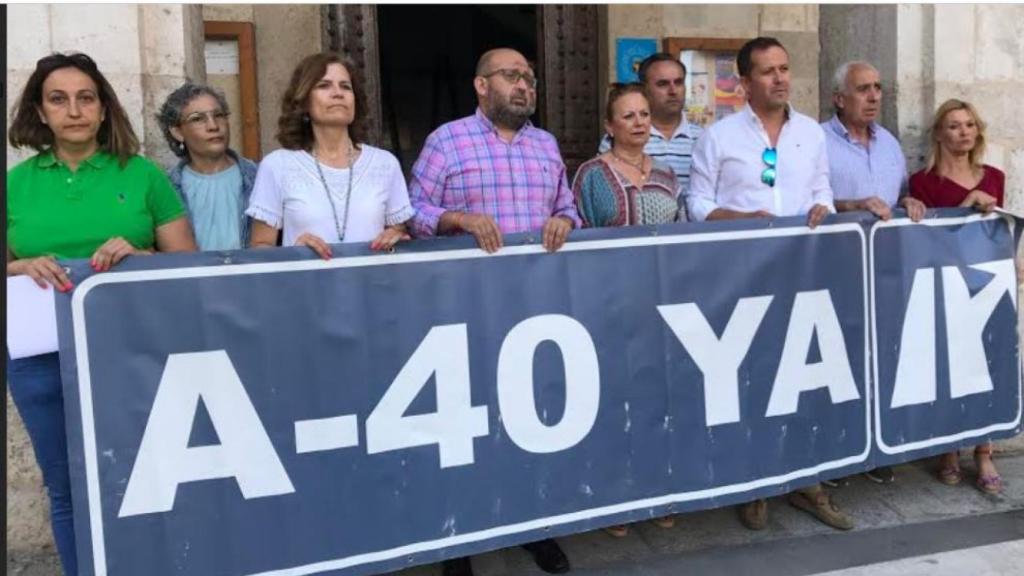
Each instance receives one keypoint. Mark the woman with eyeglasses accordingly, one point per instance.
(85, 194)
(213, 180)
(624, 186)
(955, 174)
(326, 185)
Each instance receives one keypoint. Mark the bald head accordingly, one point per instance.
(496, 58)
(506, 88)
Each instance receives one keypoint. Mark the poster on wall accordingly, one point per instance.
(713, 88)
(630, 52)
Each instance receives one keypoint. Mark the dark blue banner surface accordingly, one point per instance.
(261, 412)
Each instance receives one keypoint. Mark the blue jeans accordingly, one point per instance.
(36, 389)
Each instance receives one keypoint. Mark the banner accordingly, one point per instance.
(265, 412)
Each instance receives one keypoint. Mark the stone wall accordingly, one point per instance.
(145, 51)
(796, 26)
(929, 53)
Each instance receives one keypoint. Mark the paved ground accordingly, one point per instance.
(916, 526)
(909, 521)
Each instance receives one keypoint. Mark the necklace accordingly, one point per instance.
(638, 166)
(340, 228)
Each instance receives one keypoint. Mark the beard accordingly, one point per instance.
(503, 112)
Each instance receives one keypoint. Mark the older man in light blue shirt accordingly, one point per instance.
(867, 170)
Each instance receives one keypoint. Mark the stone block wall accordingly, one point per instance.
(145, 51)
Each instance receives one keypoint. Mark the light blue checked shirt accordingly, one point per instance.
(676, 151)
(857, 172)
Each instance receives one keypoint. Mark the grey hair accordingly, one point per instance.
(839, 78)
(169, 115)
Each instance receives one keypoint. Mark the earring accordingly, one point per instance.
(305, 118)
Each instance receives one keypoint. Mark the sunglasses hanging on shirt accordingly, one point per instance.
(770, 157)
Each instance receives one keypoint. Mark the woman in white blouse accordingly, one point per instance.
(325, 185)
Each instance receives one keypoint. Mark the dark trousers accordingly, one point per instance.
(35, 386)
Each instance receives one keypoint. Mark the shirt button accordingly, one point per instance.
(69, 180)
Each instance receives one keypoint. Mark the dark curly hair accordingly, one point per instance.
(294, 130)
(115, 135)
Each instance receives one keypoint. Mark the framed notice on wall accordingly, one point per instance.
(713, 88)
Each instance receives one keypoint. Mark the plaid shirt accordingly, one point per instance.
(466, 167)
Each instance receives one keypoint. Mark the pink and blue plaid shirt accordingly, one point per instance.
(466, 167)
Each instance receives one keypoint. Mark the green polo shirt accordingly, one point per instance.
(54, 211)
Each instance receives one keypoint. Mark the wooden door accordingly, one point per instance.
(569, 72)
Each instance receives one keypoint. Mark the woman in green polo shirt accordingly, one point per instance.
(86, 194)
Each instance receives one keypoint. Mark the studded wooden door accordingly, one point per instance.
(569, 72)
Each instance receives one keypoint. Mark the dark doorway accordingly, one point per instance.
(427, 71)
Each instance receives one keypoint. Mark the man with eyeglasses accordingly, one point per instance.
(672, 136)
(490, 174)
(763, 161)
(494, 173)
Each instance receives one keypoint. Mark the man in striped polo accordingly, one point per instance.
(672, 136)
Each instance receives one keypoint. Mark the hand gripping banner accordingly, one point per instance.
(263, 412)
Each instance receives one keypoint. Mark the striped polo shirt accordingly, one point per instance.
(676, 151)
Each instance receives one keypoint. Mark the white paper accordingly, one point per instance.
(31, 318)
(221, 56)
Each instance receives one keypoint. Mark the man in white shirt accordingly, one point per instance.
(766, 160)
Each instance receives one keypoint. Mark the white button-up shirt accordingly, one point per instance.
(727, 167)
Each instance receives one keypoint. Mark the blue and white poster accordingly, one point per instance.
(629, 53)
(265, 412)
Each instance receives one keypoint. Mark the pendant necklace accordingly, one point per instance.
(638, 166)
(340, 228)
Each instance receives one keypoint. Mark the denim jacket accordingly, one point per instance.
(248, 170)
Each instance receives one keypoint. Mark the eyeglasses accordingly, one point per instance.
(513, 76)
(200, 118)
(770, 157)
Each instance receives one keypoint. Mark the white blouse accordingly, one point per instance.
(289, 194)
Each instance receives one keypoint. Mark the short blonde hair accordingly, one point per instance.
(976, 156)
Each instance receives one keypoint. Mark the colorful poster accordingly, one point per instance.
(729, 94)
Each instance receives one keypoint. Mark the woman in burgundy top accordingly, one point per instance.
(956, 175)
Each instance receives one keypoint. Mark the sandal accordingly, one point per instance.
(992, 485)
(988, 483)
(620, 531)
(665, 522)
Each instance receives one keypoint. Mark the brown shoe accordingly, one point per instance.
(821, 507)
(754, 515)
